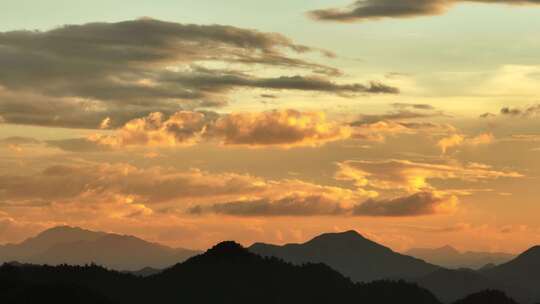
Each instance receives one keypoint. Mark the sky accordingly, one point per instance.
(186, 123)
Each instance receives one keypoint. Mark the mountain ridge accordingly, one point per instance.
(449, 257)
(77, 246)
(341, 251)
(226, 273)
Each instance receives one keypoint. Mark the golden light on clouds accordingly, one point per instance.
(189, 134)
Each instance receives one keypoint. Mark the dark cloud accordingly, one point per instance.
(401, 114)
(527, 112)
(531, 111)
(422, 203)
(488, 115)
(295, 205)
(363, 10)
(214, 81)
(78, 75)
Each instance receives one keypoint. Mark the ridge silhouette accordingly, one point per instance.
(350, 253)
(226, 273)
(322, 266)
(77, 246)
(449, 257)
(487, 297)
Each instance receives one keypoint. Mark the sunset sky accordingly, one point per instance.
(416, 123)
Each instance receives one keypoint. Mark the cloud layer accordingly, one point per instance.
(77, 76)
(421, 203)
(283, 128)
(413, 176)
(363, 10)
(418, 204)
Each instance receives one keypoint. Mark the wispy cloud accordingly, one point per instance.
(363, 10)
(79, 76)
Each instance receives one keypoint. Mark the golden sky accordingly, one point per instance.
(416, 123)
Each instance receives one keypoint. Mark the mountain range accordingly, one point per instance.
(450, 257)
(226, 273)
(349, 255)
(76, 246)
(364, 260)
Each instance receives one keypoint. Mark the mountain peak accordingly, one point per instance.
(449, 249)
(350, 235)
(62, 229)
(68, 230)
(227, 248)
(63, 234)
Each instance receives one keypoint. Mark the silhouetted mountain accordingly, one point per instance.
(521, 275)
(63, 284)
(227, 273)
(487, 297)
(519, 278)
(449, 257)
(450, 285)
(351, 254)
(76, 246)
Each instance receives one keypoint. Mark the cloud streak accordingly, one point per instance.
(418, 204)
(413, 176)
(364, 10)
(79, 76)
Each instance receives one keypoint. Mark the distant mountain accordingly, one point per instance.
(76, 246)
(487, 297)
(450, 285)
(519, 278)
(351, 254)
(521, 275)
(449, 257)
(227, 273)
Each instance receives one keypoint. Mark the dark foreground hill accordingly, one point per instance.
(487, 297)
(227, 273)
(351, 254)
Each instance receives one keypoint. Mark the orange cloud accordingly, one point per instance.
(181, 128)
(286, 128)
(150, 189)
(456, 140)
(412, 176)
(378, 131)
(280, 128)
(451, 141)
